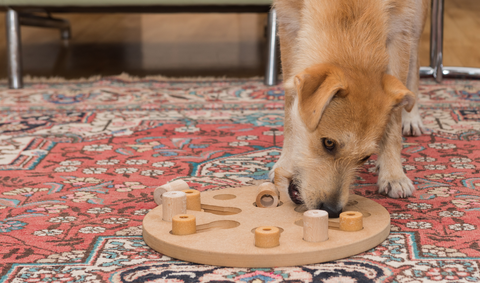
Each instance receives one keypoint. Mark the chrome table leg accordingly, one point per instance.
(46, 22)
(271, 69)
(436, 40)
(14, 50)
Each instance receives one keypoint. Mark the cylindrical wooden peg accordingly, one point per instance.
(178, 185)
(173, 203)
(267, 237)
(184, 224)
(315, 226)
(351, 221)
(193, 200)
(268, 195)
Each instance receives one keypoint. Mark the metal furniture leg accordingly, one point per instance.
(271, 69)
(437, 36)
(46, 22)
(436, 68)
(14, 50)
(436, 43)
(433, 34)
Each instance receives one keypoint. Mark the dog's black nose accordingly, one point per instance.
(333, 212)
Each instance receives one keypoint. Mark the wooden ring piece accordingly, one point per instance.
(193, 200)
(351, 221)
(268, 195)
(267, 237)
(184, 224)
(178, 185)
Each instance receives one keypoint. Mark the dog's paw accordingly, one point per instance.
(412, 124)
(413, 128)
(400, 188)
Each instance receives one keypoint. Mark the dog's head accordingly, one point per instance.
(338, 120)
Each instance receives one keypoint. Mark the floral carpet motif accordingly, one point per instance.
(79, 161)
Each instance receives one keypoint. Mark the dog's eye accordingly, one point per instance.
(328, 144)
(363, 160)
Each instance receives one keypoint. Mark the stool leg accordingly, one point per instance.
(14, 50)
(433, 34)
(271, 70)
(436, 39)
(46, 22)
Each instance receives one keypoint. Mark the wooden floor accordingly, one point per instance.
(194, 44)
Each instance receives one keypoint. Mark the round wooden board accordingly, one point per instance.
(225, 232)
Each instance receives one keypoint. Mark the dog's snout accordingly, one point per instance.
(294, 193)
(333, 211)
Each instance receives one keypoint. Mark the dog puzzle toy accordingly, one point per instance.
(228, 230)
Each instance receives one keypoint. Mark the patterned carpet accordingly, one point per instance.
(79, 162)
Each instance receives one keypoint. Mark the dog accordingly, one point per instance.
(351, 75)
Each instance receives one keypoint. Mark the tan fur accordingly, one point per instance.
(350, 68)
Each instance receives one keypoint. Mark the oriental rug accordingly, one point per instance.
(79, 161)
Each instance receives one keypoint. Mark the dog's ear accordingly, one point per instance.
(316, 86)
(402, 96)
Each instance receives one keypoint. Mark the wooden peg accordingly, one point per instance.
(351, 221)
(174, 203)
(193, 200)
(184, 224)
(315, 226)
(267, 237)
(178, 185)
(268, 195)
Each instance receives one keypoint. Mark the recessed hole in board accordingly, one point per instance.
(301, 208)
(220, 210)
(299, 222)
(279, 204)
(334, 225)
(216, 225)
(224, 196)
(352, 202)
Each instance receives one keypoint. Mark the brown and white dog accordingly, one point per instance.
(351, 73)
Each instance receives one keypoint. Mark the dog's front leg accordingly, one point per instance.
(412, 122)
(282, 172)
(391, 178)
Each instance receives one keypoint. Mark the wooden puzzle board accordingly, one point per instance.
(225, 237)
